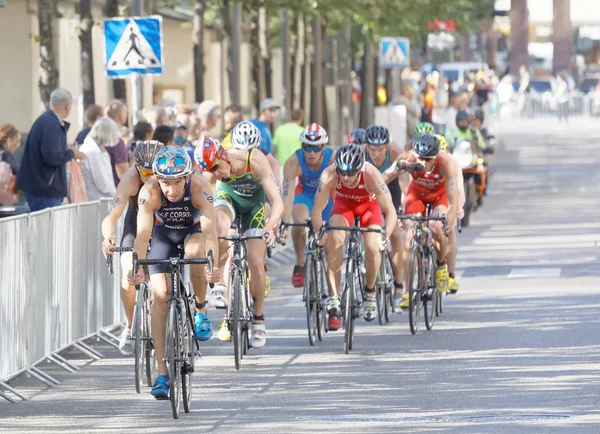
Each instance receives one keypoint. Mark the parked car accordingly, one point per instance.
(588, 84)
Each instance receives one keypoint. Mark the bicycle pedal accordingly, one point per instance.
(220, 307)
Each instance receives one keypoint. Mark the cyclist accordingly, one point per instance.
(127, 193)
(175, 207)
(358, 137)
(437, 185)
(245, 177)
(380, 152)
(452, 240)
(360, 191)
(306, 164)
(424, 128)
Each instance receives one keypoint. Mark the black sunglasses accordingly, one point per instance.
(347, 173)
(312, 148)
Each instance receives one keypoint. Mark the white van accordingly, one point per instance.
(456, 71)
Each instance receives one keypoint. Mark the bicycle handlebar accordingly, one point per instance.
(109, 258)
(419, 218)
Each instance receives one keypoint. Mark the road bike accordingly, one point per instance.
(354, 282)
(181, 346)
(422, 286)
(240, 304)
(144, 344)
(315, 292)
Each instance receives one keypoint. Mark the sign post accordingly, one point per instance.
(394, 53)
(133, 47)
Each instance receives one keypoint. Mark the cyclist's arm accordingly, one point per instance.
(203, 199)
(262, 170)
(275, 169)
(148, 202)
(127, 188)
(326, 184)
(376, 184)
(210, 178)
(461, 184)
(480, 140)
(291, 171)
(448, 169)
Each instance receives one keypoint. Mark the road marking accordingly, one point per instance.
(522, 273)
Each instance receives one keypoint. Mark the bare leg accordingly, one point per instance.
(128, 292)
(160, 287)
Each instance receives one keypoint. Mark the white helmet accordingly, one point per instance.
(245, 135)
(314, 134)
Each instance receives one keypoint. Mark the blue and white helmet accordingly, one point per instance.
(245, 135)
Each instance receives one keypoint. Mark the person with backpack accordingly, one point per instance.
(10, 139)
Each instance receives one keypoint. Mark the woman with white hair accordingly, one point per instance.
(96, 168)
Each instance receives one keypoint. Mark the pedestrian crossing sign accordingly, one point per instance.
(394, 52)
(133, 46)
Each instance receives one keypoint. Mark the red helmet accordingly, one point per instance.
(208, 153)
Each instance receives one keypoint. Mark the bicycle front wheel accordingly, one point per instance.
(430, 294)
(323, 294)
(415, 282)
(238, 318)
(189, 355)
(350, 297)
(148, 341)
(173, 341)
(310, 301)
(139, 333)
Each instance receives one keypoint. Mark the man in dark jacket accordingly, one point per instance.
(43, 174)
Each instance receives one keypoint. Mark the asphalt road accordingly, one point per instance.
(517, 350)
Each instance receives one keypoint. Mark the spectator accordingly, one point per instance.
(407, 99)
(453, 107)
(523, 88)
(164, 134)
(10, 139)
(232, 117)
(181, 133)
(209, 113)
(195, 128)
(561, 95)
(119, 157)
(92, 114)
(505, 92)
(43, 174)
(286, 139)
(268, 113)
(142, 131)
(97, 168)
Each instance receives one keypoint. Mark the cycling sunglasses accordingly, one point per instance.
(145, 172)
(346, 173)
(312, 148)
(215, 165)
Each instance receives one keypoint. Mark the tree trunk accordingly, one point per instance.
(48, 71)
(119, 89)
(304, 49)
(198, 39)
(255, 51)
(227, 29)
(294, 44)
(87, 59)
(263, 49)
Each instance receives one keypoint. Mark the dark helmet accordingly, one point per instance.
(478, 115)
(378, 135)
(350, 158)
(357, 137)
(145, 151)
(427, 146)
(462, 115)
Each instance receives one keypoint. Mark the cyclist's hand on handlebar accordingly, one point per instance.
(283, 233)
(108, 246)
(137, 278)
(212, 277)
(416, 167)
(384, 242)
(322, 239)
(269, 237)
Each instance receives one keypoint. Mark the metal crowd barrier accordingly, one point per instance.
(55, 290)
(543, 105)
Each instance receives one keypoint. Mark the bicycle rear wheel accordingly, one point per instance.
(238, 312)
(380, 288)
(389, 289)
(189, 355)
(430, 297)
(322, 295)
(414, 289)
(173, 341)
(139, 333)
(310, 301)
(349, 296)
(438, 306)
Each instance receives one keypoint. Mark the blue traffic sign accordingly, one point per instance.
(394, 52)
(133, 46)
